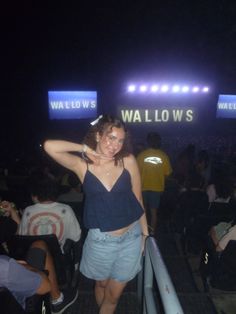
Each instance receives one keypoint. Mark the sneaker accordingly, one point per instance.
(70, 297)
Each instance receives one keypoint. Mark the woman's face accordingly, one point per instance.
(111, 141)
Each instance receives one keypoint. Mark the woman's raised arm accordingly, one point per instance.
(61, 152)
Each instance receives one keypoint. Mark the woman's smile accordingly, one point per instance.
(111, 143)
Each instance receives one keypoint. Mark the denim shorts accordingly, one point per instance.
(108, 256)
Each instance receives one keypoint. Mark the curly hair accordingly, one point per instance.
(105, 124)
(45, 188)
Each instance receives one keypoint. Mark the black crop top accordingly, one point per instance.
(110, 210)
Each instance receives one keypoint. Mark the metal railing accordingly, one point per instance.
(155, 266)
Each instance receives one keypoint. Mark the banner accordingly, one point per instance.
(72, 104)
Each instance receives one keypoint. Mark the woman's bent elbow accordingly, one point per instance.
(47, 146)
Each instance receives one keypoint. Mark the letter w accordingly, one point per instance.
(55, 104)
(177, 115)
(127, 115)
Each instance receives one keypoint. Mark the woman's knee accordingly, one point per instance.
(111, 296)
(101, 283)
(113, 291)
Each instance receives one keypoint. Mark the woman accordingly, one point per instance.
(113, 210)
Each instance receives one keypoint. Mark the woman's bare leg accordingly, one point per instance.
(113, 291)
(100, 290)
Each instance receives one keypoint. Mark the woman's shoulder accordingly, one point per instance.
(129, 160)
(130, 163)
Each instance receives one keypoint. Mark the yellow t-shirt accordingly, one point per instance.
(154, 166)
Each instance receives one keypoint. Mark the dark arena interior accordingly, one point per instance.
(166, 68)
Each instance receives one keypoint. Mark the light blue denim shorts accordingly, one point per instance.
(107, 256)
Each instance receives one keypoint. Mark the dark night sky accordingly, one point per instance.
(102, 46)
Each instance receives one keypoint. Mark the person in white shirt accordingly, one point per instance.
(47, 216)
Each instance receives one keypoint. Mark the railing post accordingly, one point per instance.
(149, 303)
(154, 264)
(141, 284)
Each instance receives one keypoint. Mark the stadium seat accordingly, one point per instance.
(8, 303)
(218, 268)
(18, 246)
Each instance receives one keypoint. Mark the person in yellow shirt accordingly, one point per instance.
(154, 166)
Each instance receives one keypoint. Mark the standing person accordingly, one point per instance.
(113, 210)
(154, 167)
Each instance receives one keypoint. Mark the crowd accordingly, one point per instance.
(99, 190)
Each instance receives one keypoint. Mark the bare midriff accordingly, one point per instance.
(119, 232)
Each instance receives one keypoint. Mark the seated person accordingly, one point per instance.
(22, 281)
(221, 190)
(26, 278)
(8, 224)
(218, 231)
(230, 235)
(47, 216)
(192, 204)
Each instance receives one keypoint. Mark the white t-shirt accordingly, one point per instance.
(56, 218)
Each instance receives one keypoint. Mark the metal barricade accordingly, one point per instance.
(155, 266)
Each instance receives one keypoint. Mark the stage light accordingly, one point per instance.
(164, 88)
(131, 88)
(154, 88)
(205, 89)
(143, 88)
(175, 89)
(195, 89)
(185, 89)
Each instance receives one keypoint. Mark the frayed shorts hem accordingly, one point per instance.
(116, 279)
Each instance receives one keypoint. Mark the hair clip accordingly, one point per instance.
(96, 121)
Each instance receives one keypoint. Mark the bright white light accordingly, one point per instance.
(175, 89)
(143, 88)
(131, 88)
(185, 89)
(195, 89)
(164, 88)
(154, 88)
(205, 89)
